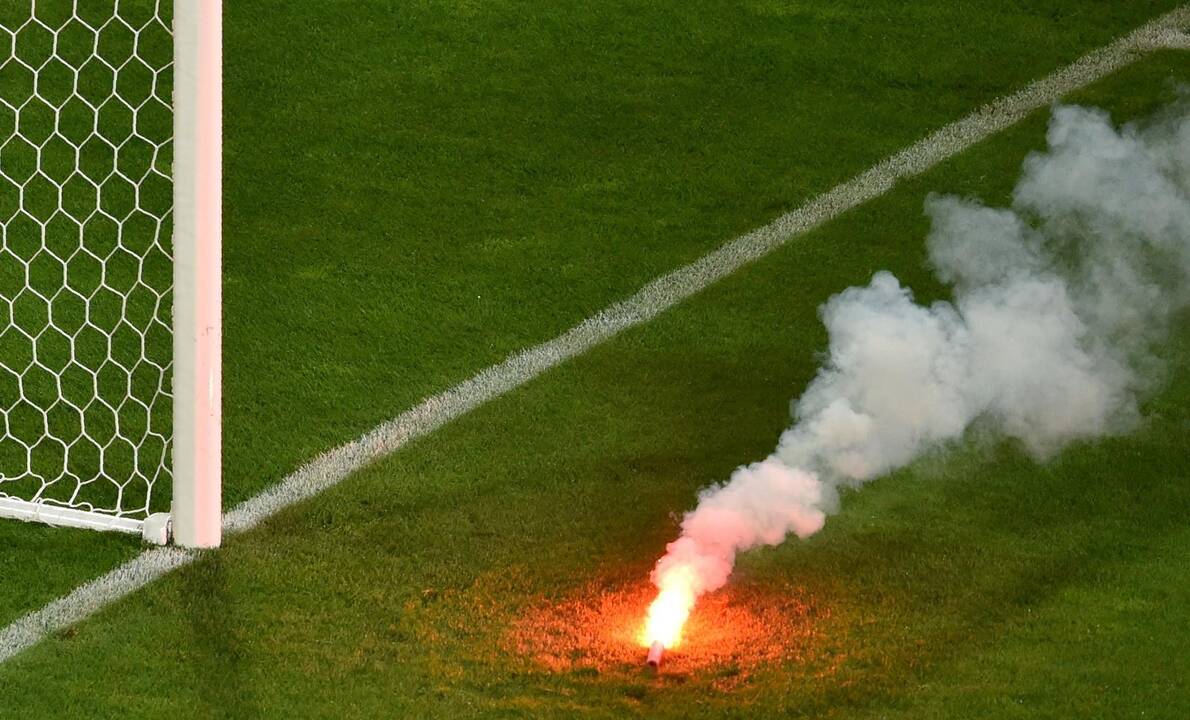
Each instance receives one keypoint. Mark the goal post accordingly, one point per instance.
(197, 514)
(110, 266)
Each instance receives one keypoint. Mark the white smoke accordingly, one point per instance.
(1058, 305)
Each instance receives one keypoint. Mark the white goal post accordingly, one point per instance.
(110, 266)
(198, 294)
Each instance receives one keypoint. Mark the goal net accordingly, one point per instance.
(87, 270)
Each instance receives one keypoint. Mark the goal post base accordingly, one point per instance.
(157, 529)
(154, 529)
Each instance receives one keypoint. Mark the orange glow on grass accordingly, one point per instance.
(670, 609)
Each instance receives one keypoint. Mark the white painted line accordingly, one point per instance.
(88, 599)
(332, 467)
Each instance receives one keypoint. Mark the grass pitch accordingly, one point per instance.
(547, 166)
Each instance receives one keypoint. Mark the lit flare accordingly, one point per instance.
(670, 609)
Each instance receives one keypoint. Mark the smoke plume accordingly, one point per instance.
(1059, 303)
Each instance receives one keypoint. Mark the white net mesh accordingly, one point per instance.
(85, 270)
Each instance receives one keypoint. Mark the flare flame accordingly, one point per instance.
(670, 609)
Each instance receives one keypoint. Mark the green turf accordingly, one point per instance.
(973, 584)
(414, 190)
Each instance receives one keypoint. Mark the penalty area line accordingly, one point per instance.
(333, 466)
